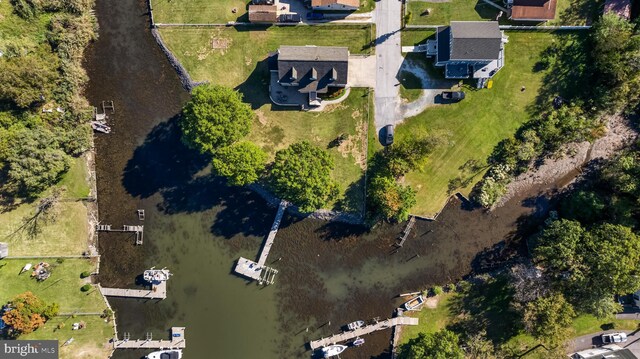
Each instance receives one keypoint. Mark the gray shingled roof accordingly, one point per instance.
(475, 40)
(313, 68)
(313, 53)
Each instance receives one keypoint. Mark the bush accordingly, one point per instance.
(85, 274)
(85, 288)
(60, 260)
(451, 287)
(389, 199)
(437, 290)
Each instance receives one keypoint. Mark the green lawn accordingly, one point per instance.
(209, 12)
(62, 287)
(90, 342)
(412, 37)
(67, 235)
(568, 12)
(475, 125)
(242, 65)
(430, 319)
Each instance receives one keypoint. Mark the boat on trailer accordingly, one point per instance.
(414, 303)
(333, 350)
(165, 354)
(355, 325)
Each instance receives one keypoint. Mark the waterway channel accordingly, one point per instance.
(196, 226)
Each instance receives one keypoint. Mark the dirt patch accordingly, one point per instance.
(432, 302)
(261, 117)
(618, 134)
(220, 43)
(354, 144)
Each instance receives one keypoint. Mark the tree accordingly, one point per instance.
(549, 318)
(215, 117)
(302, 173)
(410, 154)
(557, 249)
(35, 161)
(584, 206)
(479, 347)
(391, 200)
(241, 163)
(28, 313)
(27, 79)
(443, 344)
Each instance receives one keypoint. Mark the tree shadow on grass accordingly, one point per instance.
(161, 162)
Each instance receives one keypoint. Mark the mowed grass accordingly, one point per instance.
(90, 342)
(67, 235)
(430, 319)
(239, 61)
(62, 287)
(475, 125)
(568, 12)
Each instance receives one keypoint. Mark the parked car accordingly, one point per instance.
(315, 16)
(453, 95)
(636, 298)
(388, 135)
(610, 338)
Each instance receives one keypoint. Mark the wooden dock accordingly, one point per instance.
(346, 336)
(177, 341)
(257, 270)
(156, 292)
(138, 230)
(407, 230)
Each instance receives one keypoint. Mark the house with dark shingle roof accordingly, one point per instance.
(311, 70)
(468, 49)
(335, 5)
(610, 351)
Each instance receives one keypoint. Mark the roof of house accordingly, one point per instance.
(475, 40)
(534, 10)
(620, 7)
(263, 13)
(608, 351)
(313, 68)
(353, 3)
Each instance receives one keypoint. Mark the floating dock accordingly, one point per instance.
(158, 291)
(346, 336)
(177, 341)
(257, 270)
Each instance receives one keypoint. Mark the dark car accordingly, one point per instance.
(453, 95)
(388, 135)
(315, 16)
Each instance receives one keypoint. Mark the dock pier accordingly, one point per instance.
(138, 230)
(346, 336)
(177, 341)
(407, 230)
(257, 270)
(158, 291)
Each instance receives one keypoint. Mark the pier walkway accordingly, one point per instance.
(257, 270)
(345, 336)
(177, 341)
(158, 291)
(407, 231)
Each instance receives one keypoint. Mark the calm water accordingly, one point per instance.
(330, 274)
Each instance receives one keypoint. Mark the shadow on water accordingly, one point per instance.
(161, 162)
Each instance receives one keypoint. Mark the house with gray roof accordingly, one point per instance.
(610, 351)
(468, 49)
(308, 71)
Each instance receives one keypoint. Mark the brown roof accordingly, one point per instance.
(621, 8)
(532, 10)
(263, 13)
(354, 3)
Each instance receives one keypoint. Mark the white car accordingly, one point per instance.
(610, 338)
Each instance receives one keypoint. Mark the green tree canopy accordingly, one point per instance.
(215, 117)
(390, 199)
(34, 162)
(242, 163)
(25, 79)
(443, 344)
(549, 318)
(558, 248)
(301, 173)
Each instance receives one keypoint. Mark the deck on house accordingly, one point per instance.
(345, 336)
(258, 270)
(177, 341)
(158, 291)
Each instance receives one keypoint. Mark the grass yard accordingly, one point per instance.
(68, 235)
(568, 12)
(90, 342)
(62, 287)
(475, 125)
(431, 319)
(239, 61)
(412, 37)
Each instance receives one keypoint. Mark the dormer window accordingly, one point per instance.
(314, 74)
(334, 75)
(294, 74)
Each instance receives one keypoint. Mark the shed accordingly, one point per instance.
(533, 10)
(263, 13)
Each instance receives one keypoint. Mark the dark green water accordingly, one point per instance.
(330, 274)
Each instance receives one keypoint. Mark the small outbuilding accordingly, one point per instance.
(533, 10)
(267, 14)
(611, 351)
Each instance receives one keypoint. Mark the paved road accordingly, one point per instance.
(388, 14)
(590, 340)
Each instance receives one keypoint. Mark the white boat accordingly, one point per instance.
(100, 127)
(414, 303)
(156, 276)
(355, 325)
(165, 354)
(333, 350)
(358, 342)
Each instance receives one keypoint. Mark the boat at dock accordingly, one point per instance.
(414, 303)
(333, 350)
(165, 354)
(358, 342)
(100, 127)
(156, 276)
(355, 325)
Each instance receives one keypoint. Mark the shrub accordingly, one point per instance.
(85, 288)
(85, 274)
(60, 260)
(437, 290)
(451, 287)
